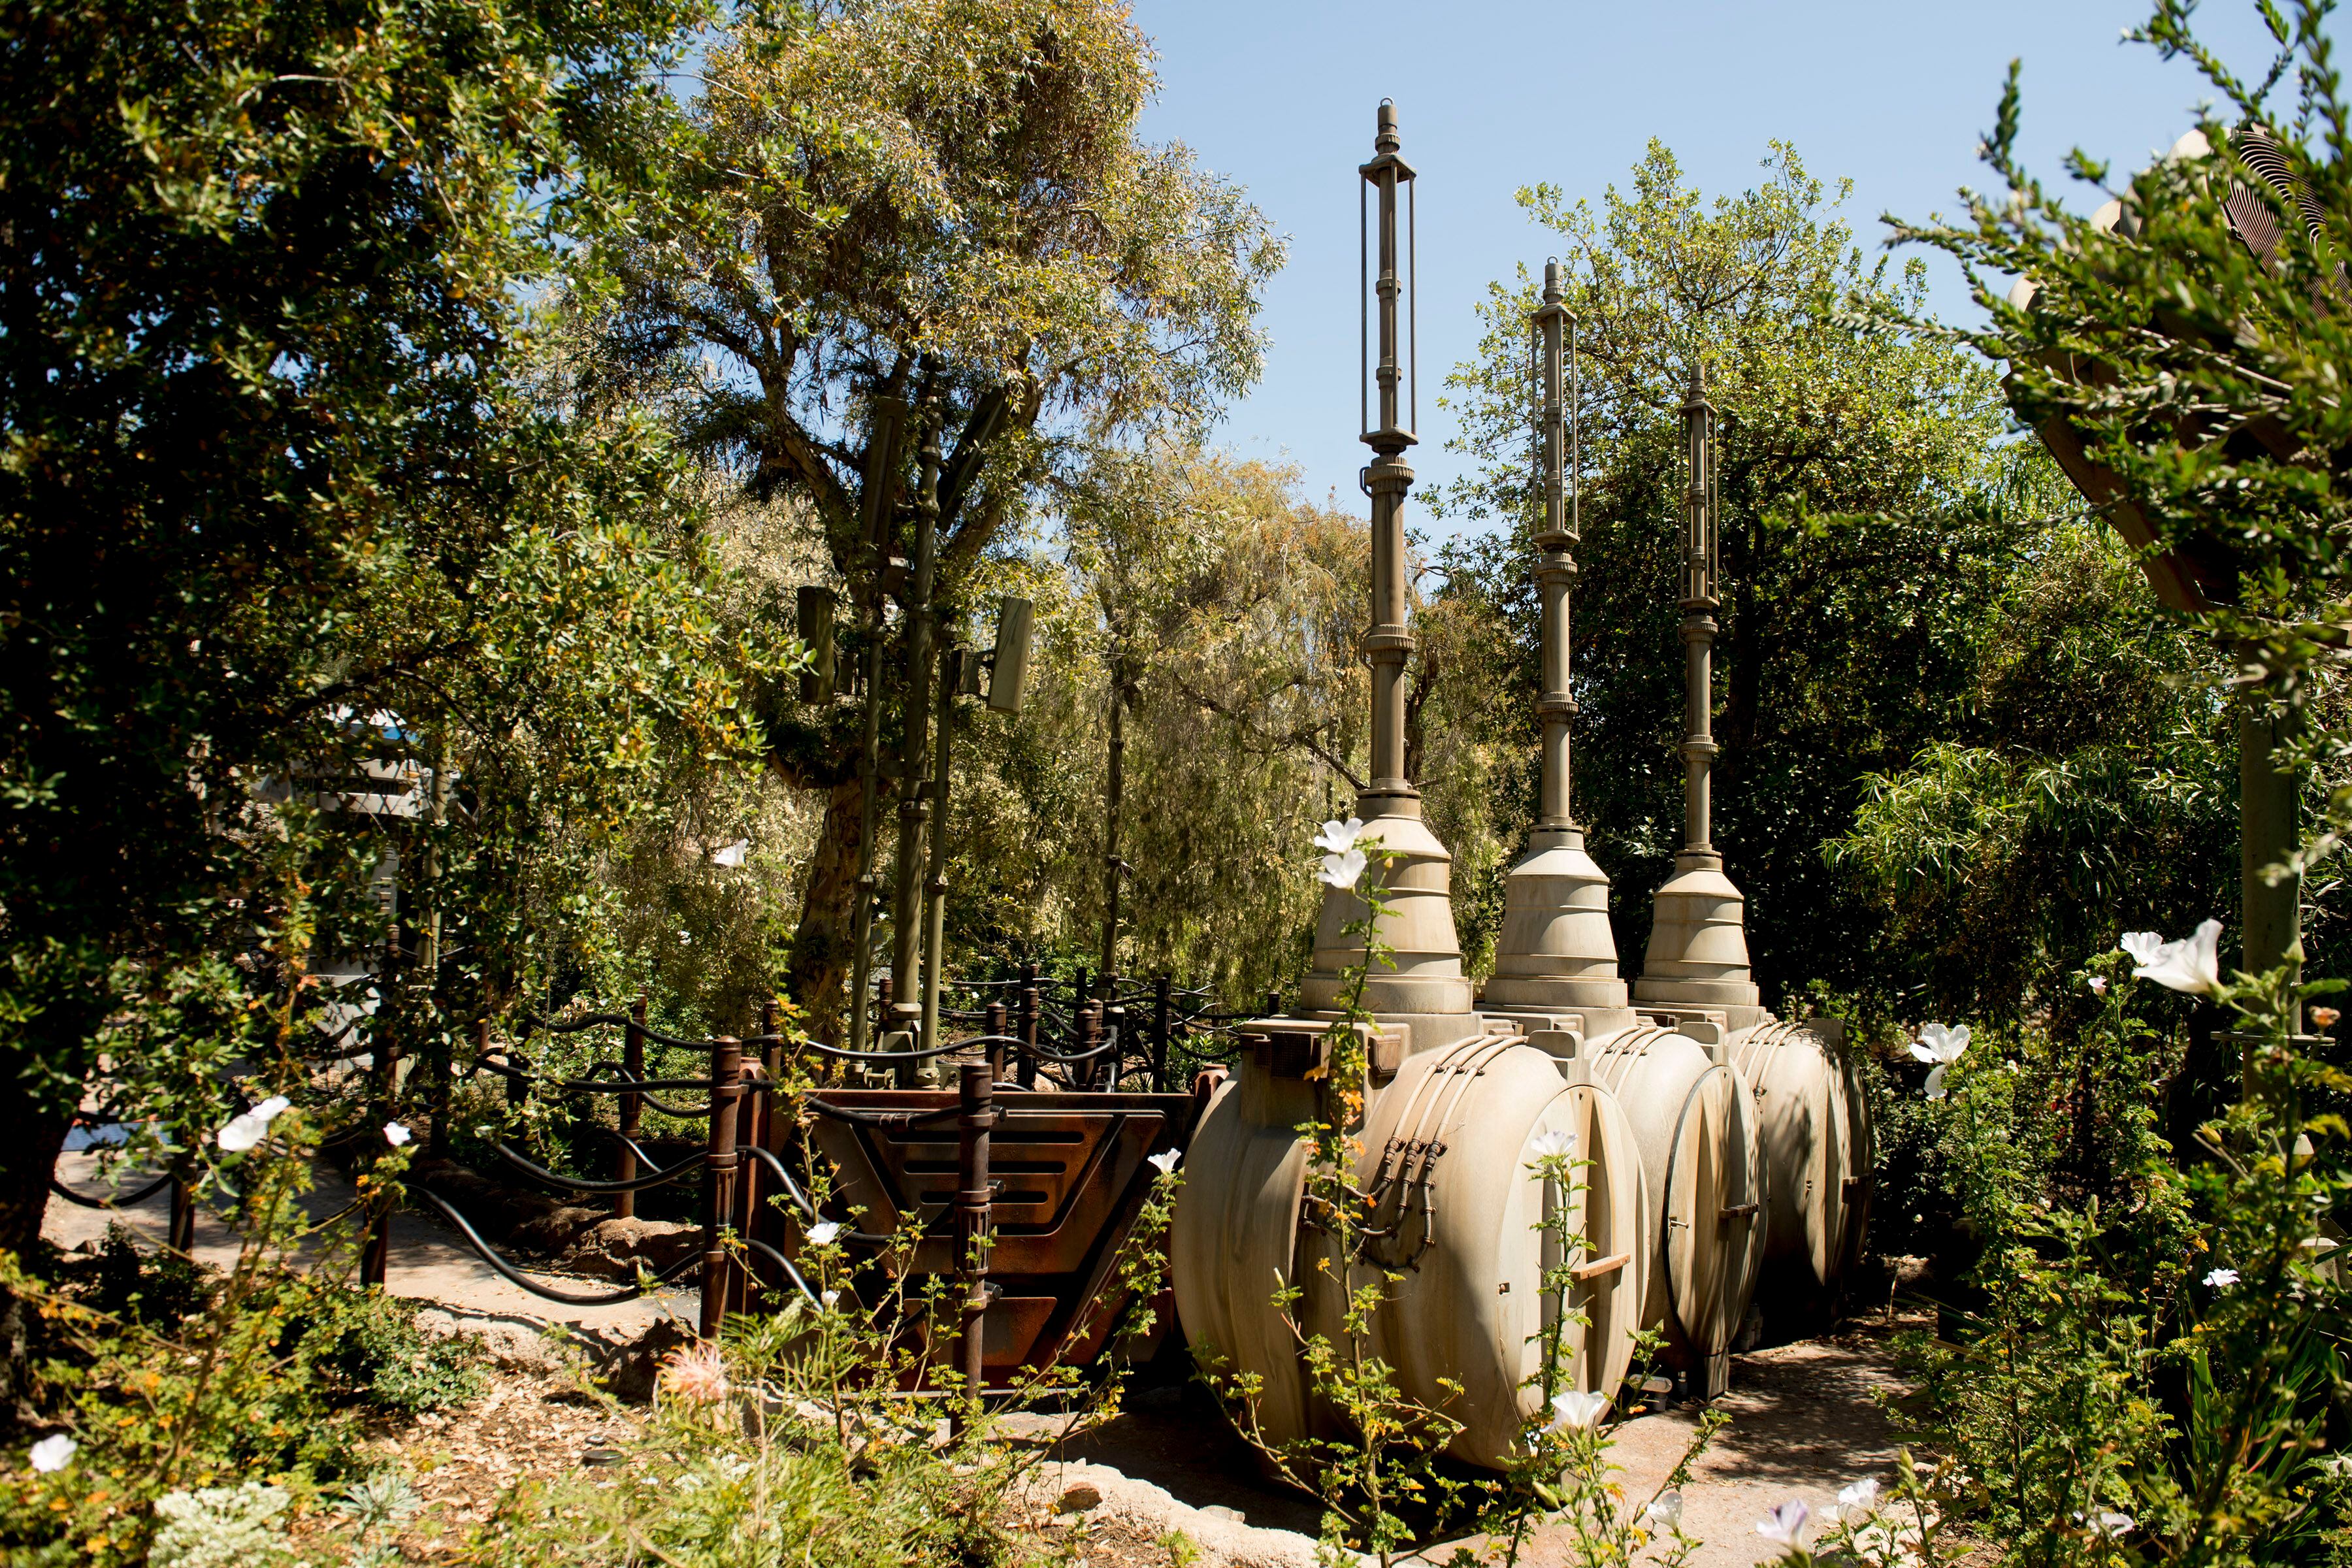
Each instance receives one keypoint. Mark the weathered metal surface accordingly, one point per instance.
(1070, 1173)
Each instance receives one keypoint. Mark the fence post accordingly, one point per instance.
(517, 1090)
(1027, 1072)
(375, 1258)
(1162, 1014)
(976, 1114)
(726, 1093)
(1114, 1019)
(752, 1129)
(772, 1043)
(1090, 1022)
(633, 1108)
(183, 1237)
(1273, 1001)
(996, 1026)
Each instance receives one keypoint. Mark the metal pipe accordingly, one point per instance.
(726, 1092)
(1025, 1070)
(1699, 603)
(976, 1089)
(1388, 642)
(1162, 1015)
(375, 1258)
(631, 1110)
(1556, 567)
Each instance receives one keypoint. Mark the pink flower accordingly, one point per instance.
(698, 1375)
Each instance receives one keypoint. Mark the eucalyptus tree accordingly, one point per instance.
(901, 228)
(1882, 534)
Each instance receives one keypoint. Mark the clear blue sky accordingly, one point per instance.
(1493, 95)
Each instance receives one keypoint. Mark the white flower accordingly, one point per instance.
(394, 1133)
(1339, 837)
(822, 1233)
(1552, 1144)
(1942, 1047)
(1576, 1411)
(2106, 1523)
(1785, 1523)
(1666, 1510)
(732, 854)
(2222, 1279)
(1165, 1162)
(2098, 985)
(830, 1300)
(245, 1130)
(53, 1452)
(2338, 1465)
(2193, 964)
(1861, 1494)
(1341, 870)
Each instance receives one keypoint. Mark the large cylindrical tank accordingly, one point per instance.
(1806, 1114)
(1457, 1213)
(1800, 1119)
(1693, 1117)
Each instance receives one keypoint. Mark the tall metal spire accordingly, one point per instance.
(1698, 940)
(1557, 950)
(1422, 985)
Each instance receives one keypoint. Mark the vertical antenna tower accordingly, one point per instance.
(1557, 950)
(1423, 986)
(1699, 939)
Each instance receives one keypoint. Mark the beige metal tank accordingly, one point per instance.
(1801, 1117)
(1692, 1116)
(1458, 1214)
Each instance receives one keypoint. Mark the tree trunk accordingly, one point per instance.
(822, 945)
(32, 1134)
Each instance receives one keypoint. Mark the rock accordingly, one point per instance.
(611, 1248)
(1219, 1510)
(1080, 1499)
(553, 1232)
(633, 1369)
(1220, 1535)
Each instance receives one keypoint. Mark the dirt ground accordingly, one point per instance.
(1804, 1422)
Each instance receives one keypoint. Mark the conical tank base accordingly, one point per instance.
(1698, 939)
(1422, 983)
(1557, 948)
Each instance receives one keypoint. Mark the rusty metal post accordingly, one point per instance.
(631, 1108)
(1027, 1072)
(726, 1094)
(976, 1115)
(375, 1258)
(1090, 1022)
(1163, 1010)
(759, 1086)
(996, 1027)
(182, 1238)
(1114, 1021)
(772, 1039)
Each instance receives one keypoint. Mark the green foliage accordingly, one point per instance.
(287, 493)
(1928, 652)
(944, 201)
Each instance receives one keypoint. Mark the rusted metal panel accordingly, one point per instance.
(1071, 1172)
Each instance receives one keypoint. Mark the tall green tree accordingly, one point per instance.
(942, 206)
(278, 495)
(1882, 530)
